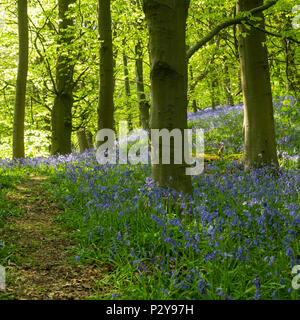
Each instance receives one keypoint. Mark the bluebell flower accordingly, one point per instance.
(220, 291)
(256, 282)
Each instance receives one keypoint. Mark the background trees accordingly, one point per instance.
(212, 52)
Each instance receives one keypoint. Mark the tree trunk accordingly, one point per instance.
(292, 79)
(192, 89)
(240, 87)
(106, 86)
(260, 145)
(127, 89)
(20, 98)
(214, 92)
(236, 50)
(82, 141)
(227, 85)
(90, 139)
(144, 106)
(195, 106)
(167, 23)
(63, 102)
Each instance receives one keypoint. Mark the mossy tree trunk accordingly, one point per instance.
(20, 97)
(167, 26)
(260, 145)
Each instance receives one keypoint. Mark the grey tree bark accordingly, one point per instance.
(167, 25)
(20, 97)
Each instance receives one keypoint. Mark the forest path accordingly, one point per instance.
(42, 247)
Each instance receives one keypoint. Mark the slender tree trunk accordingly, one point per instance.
(236, 49)
(260, 145)
(227, 85)
(214, 85)
(63, 102)
(214, 92)
(192, 88)
(290, 52)
(195, 106)
(106, 86)
(144, 106)
(127, 89)
(20, 98)
(167, 24)
(292, 80)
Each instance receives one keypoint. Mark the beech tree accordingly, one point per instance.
(260, 145)
(167, 25)
(63, 102)
(106, 86)
(20, 95)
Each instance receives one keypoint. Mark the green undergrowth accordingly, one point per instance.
(238, 238)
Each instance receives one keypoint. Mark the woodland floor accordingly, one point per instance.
(43, 248)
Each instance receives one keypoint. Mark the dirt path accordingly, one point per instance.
(43, 248)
